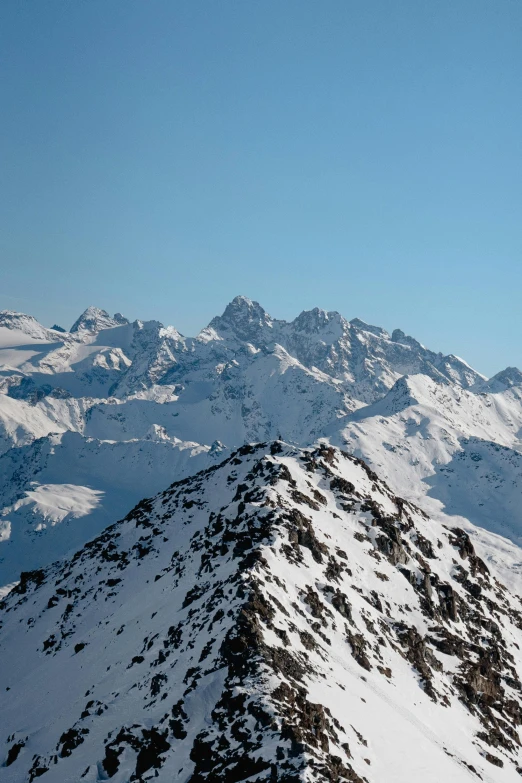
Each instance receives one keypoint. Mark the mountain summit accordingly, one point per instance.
(94, 320)
(244, 318)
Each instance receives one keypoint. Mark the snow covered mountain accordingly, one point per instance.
(93, 419)
(281, 616)
(446, 448)
(95, 320)
(113, 357)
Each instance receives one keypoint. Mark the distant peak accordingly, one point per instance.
(90, 319)
(317, 320)
(93, 319)
(403, 394)
(13, 316)
(244, 317)
(511, 376)
(242, 300)
(10, 319)
(242, 306)
(358, 323)
(398, 336)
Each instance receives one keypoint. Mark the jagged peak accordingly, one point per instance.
(242, 306)
(243, 316)
(318, 320)
(358, 323)
(94, 319)
(398, 336)
(148, 325)
(155, 330)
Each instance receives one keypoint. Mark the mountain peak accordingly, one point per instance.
(317, 320)
(93, 319)
(509, 377)
(242, 306)
(10, 319)
(363, 326)
(244, 317)
(398, 336)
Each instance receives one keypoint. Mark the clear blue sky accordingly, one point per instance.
(159, 157)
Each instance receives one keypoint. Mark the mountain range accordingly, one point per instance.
(319, 578)
(94, 419)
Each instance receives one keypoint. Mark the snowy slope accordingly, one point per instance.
(446, 448)
(62, 490)
(35, 361)
(281, 616)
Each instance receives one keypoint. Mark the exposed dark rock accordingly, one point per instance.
(70, 740)
(13, 752)
(302, 533)
(358, 644)
(494, 760)
(154, 744)
(340, 484)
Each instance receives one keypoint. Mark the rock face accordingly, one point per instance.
(281, 616)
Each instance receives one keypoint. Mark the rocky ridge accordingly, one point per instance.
(282, 616)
